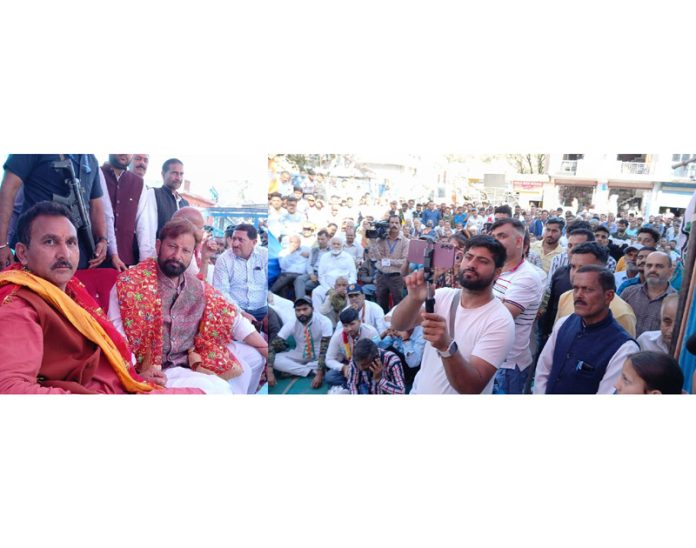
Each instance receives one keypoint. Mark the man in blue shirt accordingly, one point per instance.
(41, 181)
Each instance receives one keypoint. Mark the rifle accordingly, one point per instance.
(75, 203)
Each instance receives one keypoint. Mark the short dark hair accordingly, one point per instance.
(291, 199)
(606, 278)
(323, 232)
(26, 219)
(504, 209)
(659, 371)
(250, 230)
(622, 222)
(516, 224)
(491, 244)
(654, 233)
(579, 224)
(165, 165)
(275, 195)
(586, 231)
(365, 350)
(602, 228)
(555, 221)
(591, 248)
(348, 315)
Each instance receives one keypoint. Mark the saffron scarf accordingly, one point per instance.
(82, 312)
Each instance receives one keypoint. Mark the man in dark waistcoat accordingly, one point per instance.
(134, 224)
(586, 350)
(167, 199)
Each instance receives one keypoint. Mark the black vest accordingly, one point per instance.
(582, 353)
(166, 206)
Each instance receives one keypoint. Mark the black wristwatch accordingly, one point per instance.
(451, 350)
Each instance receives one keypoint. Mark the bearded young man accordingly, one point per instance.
(470, 333)
(312, 332)
(181, 323)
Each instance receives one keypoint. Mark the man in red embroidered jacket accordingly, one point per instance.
(175, 320)
(58, 339)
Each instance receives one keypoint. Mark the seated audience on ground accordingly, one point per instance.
(341, 345)
(375, 371)
(311, 332)
(336, 300)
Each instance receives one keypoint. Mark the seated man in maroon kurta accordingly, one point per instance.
(57, 339)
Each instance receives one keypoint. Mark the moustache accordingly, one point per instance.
(580, 301)
(61, 264)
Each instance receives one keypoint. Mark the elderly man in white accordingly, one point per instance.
(332, 265)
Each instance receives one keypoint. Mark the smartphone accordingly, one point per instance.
(443, 256)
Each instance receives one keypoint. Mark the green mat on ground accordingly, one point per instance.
(297, 385)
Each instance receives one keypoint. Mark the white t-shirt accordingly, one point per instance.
(486, 332)
(320, 326)
(523, 288)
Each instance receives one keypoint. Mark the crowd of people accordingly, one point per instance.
(119, 288)
(373, 293)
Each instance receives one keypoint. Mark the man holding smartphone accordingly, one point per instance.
(470, 333)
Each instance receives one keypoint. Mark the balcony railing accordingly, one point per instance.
(569, 166)
(635, 168)
(688, 171)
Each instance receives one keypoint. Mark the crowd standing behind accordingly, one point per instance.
(523, 293)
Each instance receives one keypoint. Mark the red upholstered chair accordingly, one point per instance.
(99, 282)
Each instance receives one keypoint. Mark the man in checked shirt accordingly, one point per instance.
(389, 255)
(375, 371)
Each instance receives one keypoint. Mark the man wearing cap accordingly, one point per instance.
(630, 270)
(369, 312)
(340, 350)
(639, 267)
(312, 333)
(332, 265)
(307, 238)
(646, 237)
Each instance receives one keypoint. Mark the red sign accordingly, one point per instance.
(527, 185)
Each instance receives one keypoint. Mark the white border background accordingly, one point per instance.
(314, 77)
